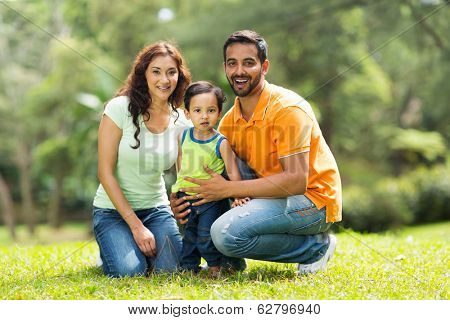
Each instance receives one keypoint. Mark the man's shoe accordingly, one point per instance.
(321, 264)
(99, 261)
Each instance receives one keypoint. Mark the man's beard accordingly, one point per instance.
(245, 92)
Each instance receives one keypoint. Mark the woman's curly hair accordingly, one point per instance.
(136, 87)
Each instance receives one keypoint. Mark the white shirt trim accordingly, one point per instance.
(293, 154)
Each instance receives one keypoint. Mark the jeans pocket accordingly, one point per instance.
(309, 224)
(205, 207)
(100, 214)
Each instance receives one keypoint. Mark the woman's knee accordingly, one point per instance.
(168, 255)
(131, 265)
(120, 255)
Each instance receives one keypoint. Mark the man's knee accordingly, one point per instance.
(223, 241)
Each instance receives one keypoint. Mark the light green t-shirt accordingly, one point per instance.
(139, 172)
(195, 154)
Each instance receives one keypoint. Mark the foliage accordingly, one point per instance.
(376, 78)
(427, 193)
(429, 145)
(375, 209)
(419, 196)
(400, 265)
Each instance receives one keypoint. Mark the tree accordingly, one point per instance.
(22, 66)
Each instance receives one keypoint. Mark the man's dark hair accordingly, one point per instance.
(200, 87)
(247, 36)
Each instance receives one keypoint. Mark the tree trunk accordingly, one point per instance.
(8, 207)
(54, 214)
(23, 160)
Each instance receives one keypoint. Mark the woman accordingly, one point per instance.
(137, 140)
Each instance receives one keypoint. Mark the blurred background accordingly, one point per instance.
(375, 72)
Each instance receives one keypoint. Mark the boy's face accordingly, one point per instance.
(203, 111)
(244, 71)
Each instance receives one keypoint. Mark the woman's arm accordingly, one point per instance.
(109, 135)
(179, 204)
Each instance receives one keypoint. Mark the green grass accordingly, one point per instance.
(411, 263)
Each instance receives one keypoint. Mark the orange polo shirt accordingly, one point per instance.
(284, 124)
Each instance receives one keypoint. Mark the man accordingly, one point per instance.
(296, 192)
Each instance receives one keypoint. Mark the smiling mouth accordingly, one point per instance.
(241, 82)
(164, 88)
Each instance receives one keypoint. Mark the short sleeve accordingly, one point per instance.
(117, 110)
(225, 125)
(292, 131)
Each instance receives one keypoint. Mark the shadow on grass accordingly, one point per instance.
(265, 273)
(94, 275)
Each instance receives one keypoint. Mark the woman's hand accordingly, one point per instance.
(145, 240)
(213, 189)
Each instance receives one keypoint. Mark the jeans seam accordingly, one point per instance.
(202, 240)
(304, 210)
(308, 225)
(107, 261)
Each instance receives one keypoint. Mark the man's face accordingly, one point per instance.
(243, 68)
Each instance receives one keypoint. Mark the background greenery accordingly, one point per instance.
(376, 73)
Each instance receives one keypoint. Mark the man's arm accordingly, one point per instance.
(292, 181)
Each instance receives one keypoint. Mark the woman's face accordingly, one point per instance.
(162, 78)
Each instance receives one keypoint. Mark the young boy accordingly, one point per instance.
(202, 146)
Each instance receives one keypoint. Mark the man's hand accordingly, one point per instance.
(213, 189)
(177, 206)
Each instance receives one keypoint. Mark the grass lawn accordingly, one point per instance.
(412, 263)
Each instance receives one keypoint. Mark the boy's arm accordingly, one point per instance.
(229, 159)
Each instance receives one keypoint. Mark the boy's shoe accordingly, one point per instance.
(321, 264)
(214, 272)
(192, 269)
(232, 265)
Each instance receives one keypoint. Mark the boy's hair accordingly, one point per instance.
(247, 36)
(200, 87)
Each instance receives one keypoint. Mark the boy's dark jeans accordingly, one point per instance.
(197, 241)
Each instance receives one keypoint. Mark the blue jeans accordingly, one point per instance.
(197, 241)
(281, 230)
(119, 252)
